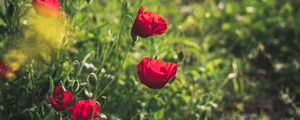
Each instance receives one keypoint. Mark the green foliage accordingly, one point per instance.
(237, 60)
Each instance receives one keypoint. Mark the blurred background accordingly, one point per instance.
(238, 60)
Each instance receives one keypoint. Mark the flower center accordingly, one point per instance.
(60, 99)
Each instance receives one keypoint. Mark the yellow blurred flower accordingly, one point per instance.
(15, 58)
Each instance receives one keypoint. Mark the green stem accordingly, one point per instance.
(156, 94)
(116, 46)
(117, 76)
(153, 48)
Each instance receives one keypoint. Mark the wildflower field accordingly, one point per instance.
(149, 60)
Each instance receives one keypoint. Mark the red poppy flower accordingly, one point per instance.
(148, 24)
(85, 110)
(155, 73)
(6, 72)
(47, 8)
(60, 99)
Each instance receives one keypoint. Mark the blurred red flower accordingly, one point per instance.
(3, 69)
(47, 8)
(148, 24)
(60, 99)
(155, 73)
(85, 110)
(6, 72)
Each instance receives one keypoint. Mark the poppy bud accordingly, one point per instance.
(10, 10)
(76, 65)
(92, 79)
(94, 18)
(180, 55)
(155, 73)
(148, 24)
(88, 1)
(75, 85)
(133, 36)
